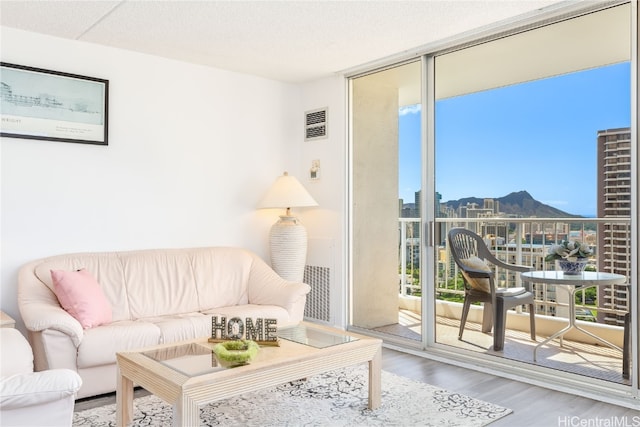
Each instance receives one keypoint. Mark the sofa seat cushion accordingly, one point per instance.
(253, 311)
(182, 327)
(99, 345)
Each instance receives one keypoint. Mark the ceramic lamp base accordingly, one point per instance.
(288, 244)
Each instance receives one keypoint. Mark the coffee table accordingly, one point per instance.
(187, 375)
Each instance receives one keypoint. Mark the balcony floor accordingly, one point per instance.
(593, 361)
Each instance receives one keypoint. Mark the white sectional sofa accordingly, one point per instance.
(155, 296)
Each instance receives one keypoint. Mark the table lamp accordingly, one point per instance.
(288, 237)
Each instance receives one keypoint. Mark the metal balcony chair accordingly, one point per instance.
(472, 256)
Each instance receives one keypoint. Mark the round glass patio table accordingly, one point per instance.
(573, 283)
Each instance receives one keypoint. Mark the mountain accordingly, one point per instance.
(517, 203)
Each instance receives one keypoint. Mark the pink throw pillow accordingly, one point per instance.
(81, 296)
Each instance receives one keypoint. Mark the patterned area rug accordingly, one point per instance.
(337, 398)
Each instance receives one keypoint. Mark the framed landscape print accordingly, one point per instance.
(52, 105)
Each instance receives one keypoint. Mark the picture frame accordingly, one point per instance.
(51, 105)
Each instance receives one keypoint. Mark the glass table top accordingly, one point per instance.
(189, 359)
(313, 337)
(197, 359)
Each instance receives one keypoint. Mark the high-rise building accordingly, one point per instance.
(614, 200)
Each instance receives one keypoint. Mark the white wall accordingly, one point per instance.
(191, 151)
(326, 224)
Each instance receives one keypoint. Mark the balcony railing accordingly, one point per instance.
(525, 241)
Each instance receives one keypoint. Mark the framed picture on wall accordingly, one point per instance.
(52, 105)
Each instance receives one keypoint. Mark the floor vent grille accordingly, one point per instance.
(318, 300)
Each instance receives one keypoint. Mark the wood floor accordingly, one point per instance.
(531, 405)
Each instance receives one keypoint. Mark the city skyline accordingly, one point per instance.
(538, 137)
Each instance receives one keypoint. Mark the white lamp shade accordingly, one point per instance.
(286, 192)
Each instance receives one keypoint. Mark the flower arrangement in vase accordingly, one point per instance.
(571, 256)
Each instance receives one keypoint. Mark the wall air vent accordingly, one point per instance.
(315, 126)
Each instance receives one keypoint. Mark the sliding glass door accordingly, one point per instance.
(526, 138)
(532, 147)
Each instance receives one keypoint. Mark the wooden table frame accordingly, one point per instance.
(273, 366)
(573, 283)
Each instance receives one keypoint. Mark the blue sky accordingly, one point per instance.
(538, 136)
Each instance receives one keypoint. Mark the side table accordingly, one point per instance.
(572, 284)
(6, 321)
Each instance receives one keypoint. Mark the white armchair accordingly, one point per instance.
(30, 398)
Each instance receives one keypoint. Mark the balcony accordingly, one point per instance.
(575, 356)
(526, 242)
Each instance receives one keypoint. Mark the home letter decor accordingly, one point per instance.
(256, 332)
(222, 327)
(271, 329)
(235, 328)
(262, 331)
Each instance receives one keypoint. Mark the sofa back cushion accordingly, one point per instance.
(221, 276)
(106, 268)
(151, 283)
(159, 282)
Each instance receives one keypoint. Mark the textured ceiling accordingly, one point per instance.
(292, 41)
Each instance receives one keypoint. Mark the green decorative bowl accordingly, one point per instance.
(237, 352)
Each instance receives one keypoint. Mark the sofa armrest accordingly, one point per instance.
(35, 388)
(40, 308)
(265, 287)
(39, 317)
(284, 295)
